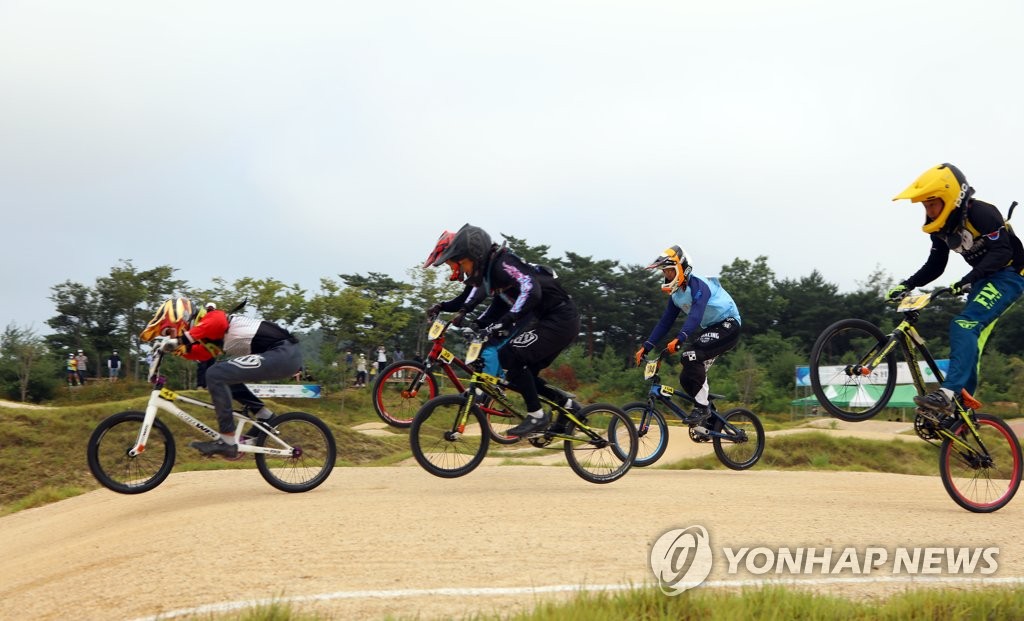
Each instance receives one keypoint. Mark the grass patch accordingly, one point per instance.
(770, 603)
(817, 450)
(777, 603)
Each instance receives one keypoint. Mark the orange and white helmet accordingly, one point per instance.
(172, 318)
(674, 258)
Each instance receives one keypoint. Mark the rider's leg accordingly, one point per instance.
(489, 354)
(242, 394)
(968, 332)
(532, 350)
(283, 360)
(708, 344)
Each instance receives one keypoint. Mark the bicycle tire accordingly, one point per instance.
(975, 486)
(314, 453)
(733, 453)
(610, 458)
(438, 447)
(109, 462)
(499, 421)
(652, 432)
(849, 342)
(392, 400)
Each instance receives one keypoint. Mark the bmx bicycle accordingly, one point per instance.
(736, 434)
(405, 386)
(450, 434)
(133, 452)
(979, 454)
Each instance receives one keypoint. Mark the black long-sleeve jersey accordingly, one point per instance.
(983, 239)
(518, 289)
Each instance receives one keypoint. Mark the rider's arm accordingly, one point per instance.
(212, 327)
(666, 321)
(459, 302)
(498, 309)
(933, 267)
(525, 282)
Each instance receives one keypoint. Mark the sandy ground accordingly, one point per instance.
(375, 541)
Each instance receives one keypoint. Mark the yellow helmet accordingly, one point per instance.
(944, 181)
(171, 319)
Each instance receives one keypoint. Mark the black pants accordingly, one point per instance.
(226, 379)
(534, 348)
(706, 346)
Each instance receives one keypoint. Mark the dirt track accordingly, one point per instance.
(370, 538)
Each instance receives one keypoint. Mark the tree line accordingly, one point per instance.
(619, 305)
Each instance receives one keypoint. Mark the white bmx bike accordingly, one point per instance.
(133, 452)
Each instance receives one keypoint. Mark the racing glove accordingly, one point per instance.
(640, 353)
(960, 287)
(676, 344)
(896, 292)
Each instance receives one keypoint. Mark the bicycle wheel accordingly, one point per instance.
(984, 477)
(442, 446)
(313, 452)
(401, 390)
(845, 344)
(608, 457)
(651, 431)
(115, 469)
(499, 421)
(744, 438)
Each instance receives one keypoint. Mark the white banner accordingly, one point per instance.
(285, 391)
(835, 374)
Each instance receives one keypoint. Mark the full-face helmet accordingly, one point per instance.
(675, 259)
(944, 181)
(443, 242)
(172, 318)
(470, 242)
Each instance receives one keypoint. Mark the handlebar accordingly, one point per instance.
(934, 293)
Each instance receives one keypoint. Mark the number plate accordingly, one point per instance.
(650, 369)
(435, 330)
(473, 352)
(914, 302)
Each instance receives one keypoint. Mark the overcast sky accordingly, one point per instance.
(300, 140)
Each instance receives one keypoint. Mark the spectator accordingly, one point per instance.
(83, 366)
(114, 366)
(398, 355)
(361, 371)
(382, 358)
(72, 367)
